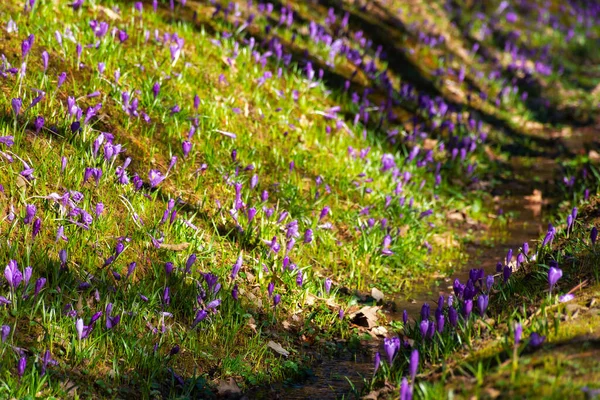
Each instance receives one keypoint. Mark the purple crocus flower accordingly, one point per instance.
(200, 315)
(236, 267)
(61, 79)
(424, 327)
(26, 46)
(425, 311)
(327, 285)
(518, 332)
(377, 361)
(235, 292)
(27, 272)
(79, 327)
(482, 304)
(324, 212)
(425, 214)
(186, 147)
(299, 279)
(189, 263)
(251, 214)
(38, 123)
(156, 89)
(46, 359)
(16, 104)
(536, 340)
(467, 308)
(7, 140)
(554, 274)
(166, 296)
(111, 321)
(270, 288)
(168, 268)
(308, 236)
(441, 320)
(594, 235)
(155, 177)
(391, 346)
(21, 366)
(122, 35)
(507, 271)
(39, 285)
(276, 300)
(174, 350)
(30, 211)
(12, 274)
(4, 332)
(413, 365)
(405, 390)
(453, 316)
(45, 59)
(37, 225)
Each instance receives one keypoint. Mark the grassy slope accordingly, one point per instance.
(278, 116)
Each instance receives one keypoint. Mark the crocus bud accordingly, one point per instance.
(4, 332)
(377, 361)
(413, 364)
(482, 304)
(186, 147)
(467, 308)
(518, 332)
(453, 316)
(327, 285)
(21, 366)
(554, 274)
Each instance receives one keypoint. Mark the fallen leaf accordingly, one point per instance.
(366, 316)
(493, 393)
(229, 389)
(108, 12)
(535, 197)
(175, 247)
(455, 216)
(377, 294)
(252, 324)
(278, 348)
(379, 331)
(310, 300)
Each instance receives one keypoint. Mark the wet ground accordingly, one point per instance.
(329, 378)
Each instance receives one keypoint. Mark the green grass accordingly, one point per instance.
(270, 116)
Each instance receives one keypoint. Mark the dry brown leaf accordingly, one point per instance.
(455, 216)
(175, 247)
(310, 300)
(379, 331)
(229, 389)
(108, 12)
(278, 348)
(535, 197)
(377, 294)
(252, 324)
(366, 316)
